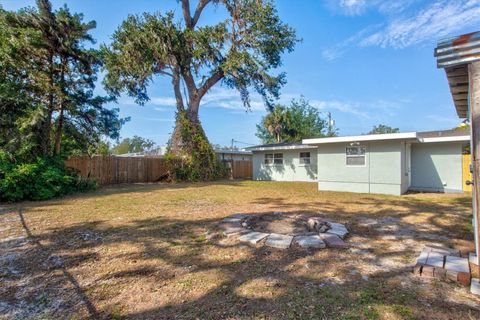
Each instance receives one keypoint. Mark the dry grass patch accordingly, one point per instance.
(155, 252)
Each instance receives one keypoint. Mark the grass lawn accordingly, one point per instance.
(155, 252)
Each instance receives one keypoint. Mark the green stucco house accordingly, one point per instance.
(381, 163)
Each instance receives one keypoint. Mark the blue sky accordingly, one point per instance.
(366, 61)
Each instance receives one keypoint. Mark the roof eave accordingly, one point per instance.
(297, 147)
(363, 138)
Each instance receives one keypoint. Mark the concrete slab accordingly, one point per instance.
(456, 264)
(475, 286)
(280, 241)
(253, 237)
(310, 242)
(435, 259)
(333, 241)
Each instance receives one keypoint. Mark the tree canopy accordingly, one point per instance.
(133, 145)
(242, 50)
(47, 86)
(298, 121)
(382, 129)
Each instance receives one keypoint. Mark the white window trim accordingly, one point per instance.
(356, 165)
(273, 164)
(300, 161)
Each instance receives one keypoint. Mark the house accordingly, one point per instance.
(381, 163)
(228, 154)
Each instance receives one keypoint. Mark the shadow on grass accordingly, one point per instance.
(295, 292)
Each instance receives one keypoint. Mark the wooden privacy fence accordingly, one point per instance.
(240, 169)
(113, 170)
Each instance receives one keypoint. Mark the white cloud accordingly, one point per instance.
(341, 48)
(353, 7)
(437, 20)
(407, 25)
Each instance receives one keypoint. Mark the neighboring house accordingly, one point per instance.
(225, 154)
(381, 163)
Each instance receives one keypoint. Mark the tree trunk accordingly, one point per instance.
(181, 137)
(58, 133)
(47, 126)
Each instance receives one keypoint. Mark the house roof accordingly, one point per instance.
(454, 55)
(227, 151)
(422, 137)
(444, 136)
(281, 146)
(365, 137)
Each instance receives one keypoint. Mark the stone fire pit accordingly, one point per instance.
(284, 230)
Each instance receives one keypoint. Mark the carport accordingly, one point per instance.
(460, 58)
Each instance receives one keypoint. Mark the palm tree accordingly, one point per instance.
(276, 122)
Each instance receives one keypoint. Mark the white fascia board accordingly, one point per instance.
(240, 152)
(283, 148)
(445, 139)
(367, 137)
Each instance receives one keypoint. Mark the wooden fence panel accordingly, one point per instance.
(112, 170)
(240, 169)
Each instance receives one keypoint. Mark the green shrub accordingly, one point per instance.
(43, 179)
(187, 169)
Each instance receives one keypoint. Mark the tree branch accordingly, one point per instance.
(198, 11)
(214, 78)
(186, 14)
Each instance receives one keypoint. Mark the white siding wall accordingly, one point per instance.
(382, 172)
(437, 167)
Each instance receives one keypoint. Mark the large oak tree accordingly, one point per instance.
(241, 51)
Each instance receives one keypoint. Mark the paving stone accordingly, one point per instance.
(339, 232)
(443, 250)
(475, 286)
(280, 241)
(231, 231)
(237, 217)
(464, 278)
(240, 215)
(427, 271)
(422, 258)
(452, 275)
(310, 242)
(435, 259)
(334, 225)
(417, 269)
(253, 237)
(333, 241)
(440, 273)
(456, 264)
(472, 258)
(227, 225)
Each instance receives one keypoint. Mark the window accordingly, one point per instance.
(355, 156)
(304, 157)
(276, 158)
(268, 158)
